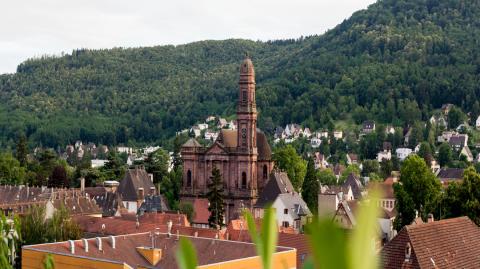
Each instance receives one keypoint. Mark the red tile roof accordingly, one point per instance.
(209, 251)
(200, 207)
(450, 243)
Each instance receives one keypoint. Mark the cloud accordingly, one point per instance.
(38, 27)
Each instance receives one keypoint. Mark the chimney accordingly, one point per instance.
(112, 241)
(140, 194)
(71, 243)
(85, 244)
(152, 190)
(169, 226)
(82, 184)
(430, 218)
(151, 177)
(99, 243)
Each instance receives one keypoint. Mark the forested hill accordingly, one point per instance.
(394, 62)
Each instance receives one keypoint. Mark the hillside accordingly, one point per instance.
(394, 62)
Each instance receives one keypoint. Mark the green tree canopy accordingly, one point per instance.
(287, 159)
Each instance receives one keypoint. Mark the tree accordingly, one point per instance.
(327, 177)
(10, 170)
(114, 167)
(287, 159)
(351, 169)
(425, 152)
(187, 209)
(455, 117)
(170, 187)
(311, 187)
(22, 150)
(444, 154)
(215, 200)
(404, 205)
(369, 146)
(157, 164)
(386, 168)
(59, 178)
(370, 166)
(419, 186)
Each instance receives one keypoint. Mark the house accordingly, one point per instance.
(330, 197)
(151, 250)
(307, 133)
(357, 187)
(152, 204)
(467, 153)
(389, 129)
(134, 187)
(196, 131)
(446, 135)
(200, 207)
(384, 155)
(320, 161)
(403, 153)
(338, 170)
(368, 126)
(96, 163)
(387, 201)
(211, 135)
(202, 126)
(435, 166)
(221, 123)
(279, 133)
(210, 118)
(126, 150)
(338, 134)
(449, 243)
(408, 134)
(438, 120)
(293, 130)
(345, 216)
(291, 211)
(447, 175)
(315, 142)
(446, 108)
(457, 142)
(352, 158)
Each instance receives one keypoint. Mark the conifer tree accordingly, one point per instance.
(215, 199)
(311, 187)
(22, 150)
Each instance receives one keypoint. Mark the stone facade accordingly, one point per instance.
(243, 156)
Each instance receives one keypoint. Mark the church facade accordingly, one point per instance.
(243, 156)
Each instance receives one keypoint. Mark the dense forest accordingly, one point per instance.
(394, 62)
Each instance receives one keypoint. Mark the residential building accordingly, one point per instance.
(457, 142)
(242, 156)
(368, 126)
(447, 175)
(467, 153)
(403, 153)
(126, 150)
(357, 187)
(315, 142)
(96, 163)
(338, 134)
(449, 243)
(134, 187)
(291, 211)
(320, 161)
(352, 159)
(150, 250)
(384, 155)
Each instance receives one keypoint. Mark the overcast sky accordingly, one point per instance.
(37, 27)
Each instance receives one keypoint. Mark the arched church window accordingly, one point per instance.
(189, 178)
(244, 96)
(265, 172)
(244, 180)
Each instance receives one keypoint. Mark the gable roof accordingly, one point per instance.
(192, 143)
(450, 173)
(279, 183)
(450, 243)
(458, 140)
(133, 180)
(357, 186)
(295, 202)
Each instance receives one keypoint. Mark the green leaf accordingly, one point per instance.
(328, 244)
(186, 255)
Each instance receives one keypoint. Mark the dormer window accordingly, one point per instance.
(408, 252)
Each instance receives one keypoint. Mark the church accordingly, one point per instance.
(243, 156)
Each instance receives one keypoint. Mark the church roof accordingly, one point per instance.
(228, 138)
(192, 143)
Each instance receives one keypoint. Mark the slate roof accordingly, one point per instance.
(192, 143)
(109, 202)
(356, 185)
(450, 174)
(133, 180)
(295, 202)
(457, 140)
(152, 203)
(277, 184)
(450, 243)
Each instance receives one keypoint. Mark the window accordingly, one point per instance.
(244, 180)
(285, 211)
(285, 224)
(244, 96)
(265, 172)
(189, 178)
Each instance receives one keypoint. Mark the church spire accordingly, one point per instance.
(246, 109)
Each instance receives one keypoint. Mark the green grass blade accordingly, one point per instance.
(186, 255)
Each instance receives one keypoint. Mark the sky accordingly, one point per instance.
(49, 27)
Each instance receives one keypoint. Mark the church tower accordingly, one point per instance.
(247, 110)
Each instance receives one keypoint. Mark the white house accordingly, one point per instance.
(338, 134)
(211, 135)
(202, 126)
(315, 142)
(210, 118)
(127, 150)
(403, 153)
(477, 123)
(290, 208)
(96, 163)
(384, 155)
